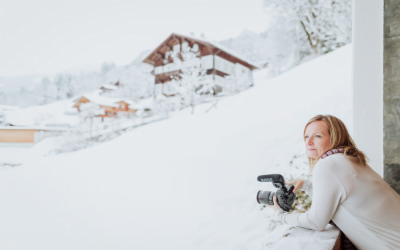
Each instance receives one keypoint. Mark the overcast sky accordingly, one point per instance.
(45, 37)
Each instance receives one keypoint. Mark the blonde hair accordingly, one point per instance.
(339, 138)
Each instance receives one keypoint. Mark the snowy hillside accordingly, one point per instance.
(53, 113)
(184, 183)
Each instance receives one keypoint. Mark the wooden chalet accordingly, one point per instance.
(113, 107)
(217, 60)
(106, 88)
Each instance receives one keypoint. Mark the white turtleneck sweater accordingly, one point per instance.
(356, 199)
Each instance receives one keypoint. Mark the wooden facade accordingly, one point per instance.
(23, 135)
(18, 136)
(113, 109)
(160, 58)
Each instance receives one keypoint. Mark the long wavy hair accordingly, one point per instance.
(339, 138)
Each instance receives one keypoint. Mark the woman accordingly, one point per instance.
(345, 189)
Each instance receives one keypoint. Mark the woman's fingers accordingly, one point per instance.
(290, 182)
(298, 185)
(275, 206)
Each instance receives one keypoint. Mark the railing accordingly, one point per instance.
(300, 238)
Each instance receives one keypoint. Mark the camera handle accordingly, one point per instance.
(277, 180)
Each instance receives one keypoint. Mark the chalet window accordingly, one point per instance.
(177, 48)
(158, 70)
(166, 68)
(207, 62)
(241, 70)
(175, 66)
(185, 46)
(166, 88)
(172, 87)
(171, 67)
(169, 88)
(195, 47)
(158, 89)
(226, 67)
(217, 62)
(122, 106)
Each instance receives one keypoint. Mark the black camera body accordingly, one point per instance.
(284, 194)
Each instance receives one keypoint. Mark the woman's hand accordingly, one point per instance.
(275, 206)
(296, 183)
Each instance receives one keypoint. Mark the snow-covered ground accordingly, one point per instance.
(58, 113)
(188, 182)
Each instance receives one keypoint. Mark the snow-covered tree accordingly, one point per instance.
(325, 23)
(47, 90)
(280, 46)
(249, 44)
(65, 87)
(106, 67)
(193, 83)
(88, 112)
(161, 107)
(136, 82)
(298, 30)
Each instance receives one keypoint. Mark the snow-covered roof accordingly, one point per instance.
(218, 46)
(109, 86)
(139, 59)
(109, 101)
(223, 48)
(126, 101)
(101, 100)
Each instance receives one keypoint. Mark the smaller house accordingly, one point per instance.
(25, 135)
(20, 135)
(118, 84)
(113, 107)
(107, 88)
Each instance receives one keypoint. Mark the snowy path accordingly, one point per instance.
(184, 183)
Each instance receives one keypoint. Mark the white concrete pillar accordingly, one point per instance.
(368, 80)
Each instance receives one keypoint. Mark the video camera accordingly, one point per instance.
(284, 194)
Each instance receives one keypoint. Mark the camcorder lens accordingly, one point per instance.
(265, 197)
